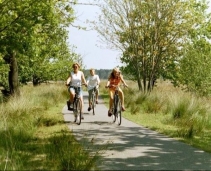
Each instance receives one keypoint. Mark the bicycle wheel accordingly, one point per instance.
(78, 112)
(119, 112)
(114, 109)
(93, 103)
(113, 116)
(75, 110)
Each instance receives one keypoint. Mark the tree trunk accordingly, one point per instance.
(139, 85)
(150, 84)
(139, 78)
(36, 80)
(13, 74)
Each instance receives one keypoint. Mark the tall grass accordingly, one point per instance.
(190, 114)
(171, 111)
(34, 136)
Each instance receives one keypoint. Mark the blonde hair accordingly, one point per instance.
(116, 69)
(76, 64)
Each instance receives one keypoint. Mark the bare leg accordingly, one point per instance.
(89, 98)
(111, 99)
(72, 95)
(81, 107)
(121, 95)
(97, 92)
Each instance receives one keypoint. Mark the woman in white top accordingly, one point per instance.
(75, 79)
(92, 82)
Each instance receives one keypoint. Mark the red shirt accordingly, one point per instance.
(114, 81)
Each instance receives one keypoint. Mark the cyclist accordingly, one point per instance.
(75, 79)
(92, 82)
(114, 79)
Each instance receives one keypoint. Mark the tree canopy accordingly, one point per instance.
(33, 44)
(151, 35)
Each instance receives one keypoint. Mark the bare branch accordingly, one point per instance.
(80, 3)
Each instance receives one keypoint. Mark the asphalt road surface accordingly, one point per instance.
(131, 146)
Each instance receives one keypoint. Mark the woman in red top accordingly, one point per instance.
(114, 80)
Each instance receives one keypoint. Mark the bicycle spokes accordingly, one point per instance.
(77, 111)
(113, 116)
(93, 104)
(117, 112)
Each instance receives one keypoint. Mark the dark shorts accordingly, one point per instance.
(90, 92)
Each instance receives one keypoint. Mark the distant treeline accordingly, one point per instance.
(103, 73)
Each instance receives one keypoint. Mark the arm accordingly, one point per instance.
(68, 80)
(108, 83)
(88, 80)
(98, 80)
(123, 81)
(83, 78)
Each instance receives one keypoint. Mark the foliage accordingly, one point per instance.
(150, 34)
(36, 32)
(4, 69)
(195, 68)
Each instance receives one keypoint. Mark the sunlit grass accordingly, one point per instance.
(34, 135)
(170, 111)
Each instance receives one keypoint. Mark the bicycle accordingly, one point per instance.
(93, 99)
(76, 106)
(116, 107)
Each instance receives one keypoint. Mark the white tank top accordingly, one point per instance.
(92, 81)
(76, 79)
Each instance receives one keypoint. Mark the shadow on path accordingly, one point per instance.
(133, 147)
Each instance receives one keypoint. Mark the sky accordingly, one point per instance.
(86, 41)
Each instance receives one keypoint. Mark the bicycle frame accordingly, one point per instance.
(116, 108)
(93, 99)
(77, 106)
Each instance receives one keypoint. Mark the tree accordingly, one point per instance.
(194, 72)
(25, 27)
(194, 69)
(149, 33)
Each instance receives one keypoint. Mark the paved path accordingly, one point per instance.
(133, 147)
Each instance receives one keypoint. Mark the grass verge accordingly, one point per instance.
(170, 111)
(34, 135)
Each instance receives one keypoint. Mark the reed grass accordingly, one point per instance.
(34, 135)
(170, 111)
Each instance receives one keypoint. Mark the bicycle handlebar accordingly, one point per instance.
(114, 86)
(75, 86)
(110, 86)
